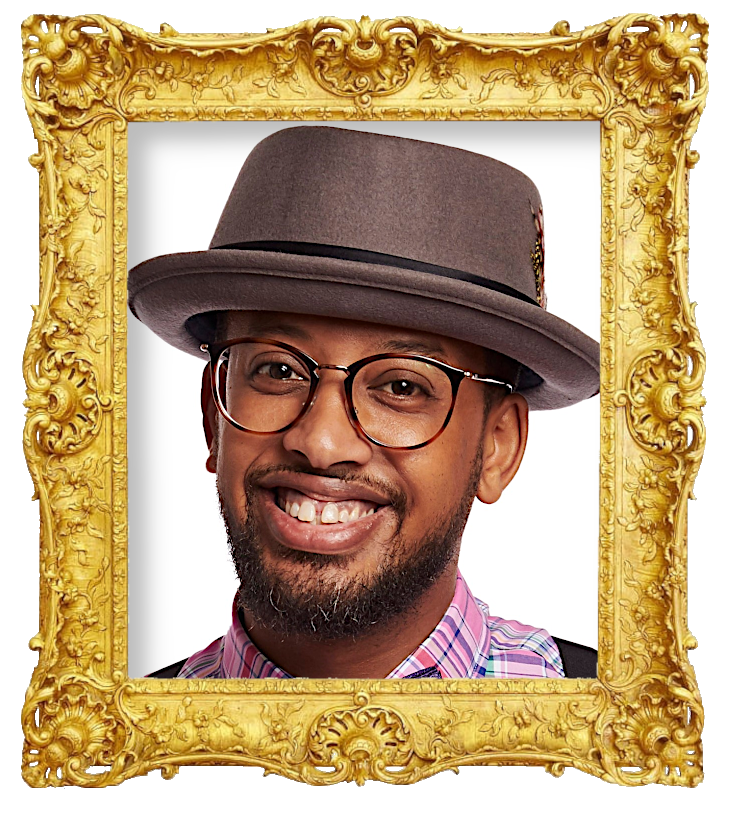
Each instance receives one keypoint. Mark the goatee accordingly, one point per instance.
(321, 603)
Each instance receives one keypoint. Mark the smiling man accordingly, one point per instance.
(374, 315)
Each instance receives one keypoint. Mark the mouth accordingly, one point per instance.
(332, 522)
(321, 513)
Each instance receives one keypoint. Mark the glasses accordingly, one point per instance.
(401, 401)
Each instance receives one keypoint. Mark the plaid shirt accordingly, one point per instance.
(467, 643)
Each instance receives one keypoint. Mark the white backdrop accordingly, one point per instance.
(532, 556)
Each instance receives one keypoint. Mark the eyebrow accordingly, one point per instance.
(423, 347)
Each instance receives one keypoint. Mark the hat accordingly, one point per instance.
(341, 223)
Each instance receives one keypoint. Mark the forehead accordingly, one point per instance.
(334, 333)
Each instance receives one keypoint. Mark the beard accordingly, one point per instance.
(321, 602)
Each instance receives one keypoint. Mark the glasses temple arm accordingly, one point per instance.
(489, 380)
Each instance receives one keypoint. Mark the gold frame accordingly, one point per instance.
(85, 721)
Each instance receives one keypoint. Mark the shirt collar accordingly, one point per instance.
(456, 649)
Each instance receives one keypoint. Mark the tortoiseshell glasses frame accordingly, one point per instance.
(218, 362)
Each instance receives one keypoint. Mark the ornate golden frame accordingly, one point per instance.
(85, 721)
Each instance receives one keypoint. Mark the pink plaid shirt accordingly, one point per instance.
(467, 643)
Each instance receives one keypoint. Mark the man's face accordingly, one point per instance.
(394, 518)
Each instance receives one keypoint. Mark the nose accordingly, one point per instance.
(324, 434)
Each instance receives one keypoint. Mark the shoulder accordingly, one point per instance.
(570, 659)
(524, 650)
(579, 661)
(204, 664)
(170, 672)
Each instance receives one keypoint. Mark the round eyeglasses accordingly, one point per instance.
(401, 401)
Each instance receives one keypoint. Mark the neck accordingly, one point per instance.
(370, 656)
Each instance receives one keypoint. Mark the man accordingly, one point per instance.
(374, 313)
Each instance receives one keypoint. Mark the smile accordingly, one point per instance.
(311, 524)
(313, 511)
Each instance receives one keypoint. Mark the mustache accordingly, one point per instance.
(347, 475)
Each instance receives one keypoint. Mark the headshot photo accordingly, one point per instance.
(351, 358)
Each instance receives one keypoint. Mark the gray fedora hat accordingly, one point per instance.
(340, 223)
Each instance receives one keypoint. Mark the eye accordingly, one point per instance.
(278, 370)
(402, 387)
(397, 384)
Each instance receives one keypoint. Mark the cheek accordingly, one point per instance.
(436, 477)
(237, 452)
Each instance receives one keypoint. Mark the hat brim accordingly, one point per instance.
(168, 292)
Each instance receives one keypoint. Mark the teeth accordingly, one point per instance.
(330, 514)
(307, 512)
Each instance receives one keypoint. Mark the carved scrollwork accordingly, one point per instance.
(653, 66)
(70, 728)
(65, 406)
(361, 742)
(664, 401)
(364, 59)
(656, 730)
(69, 66)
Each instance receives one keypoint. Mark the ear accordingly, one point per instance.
(504, 441)
(210, 418)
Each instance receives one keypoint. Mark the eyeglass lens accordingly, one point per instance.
(398, 402)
